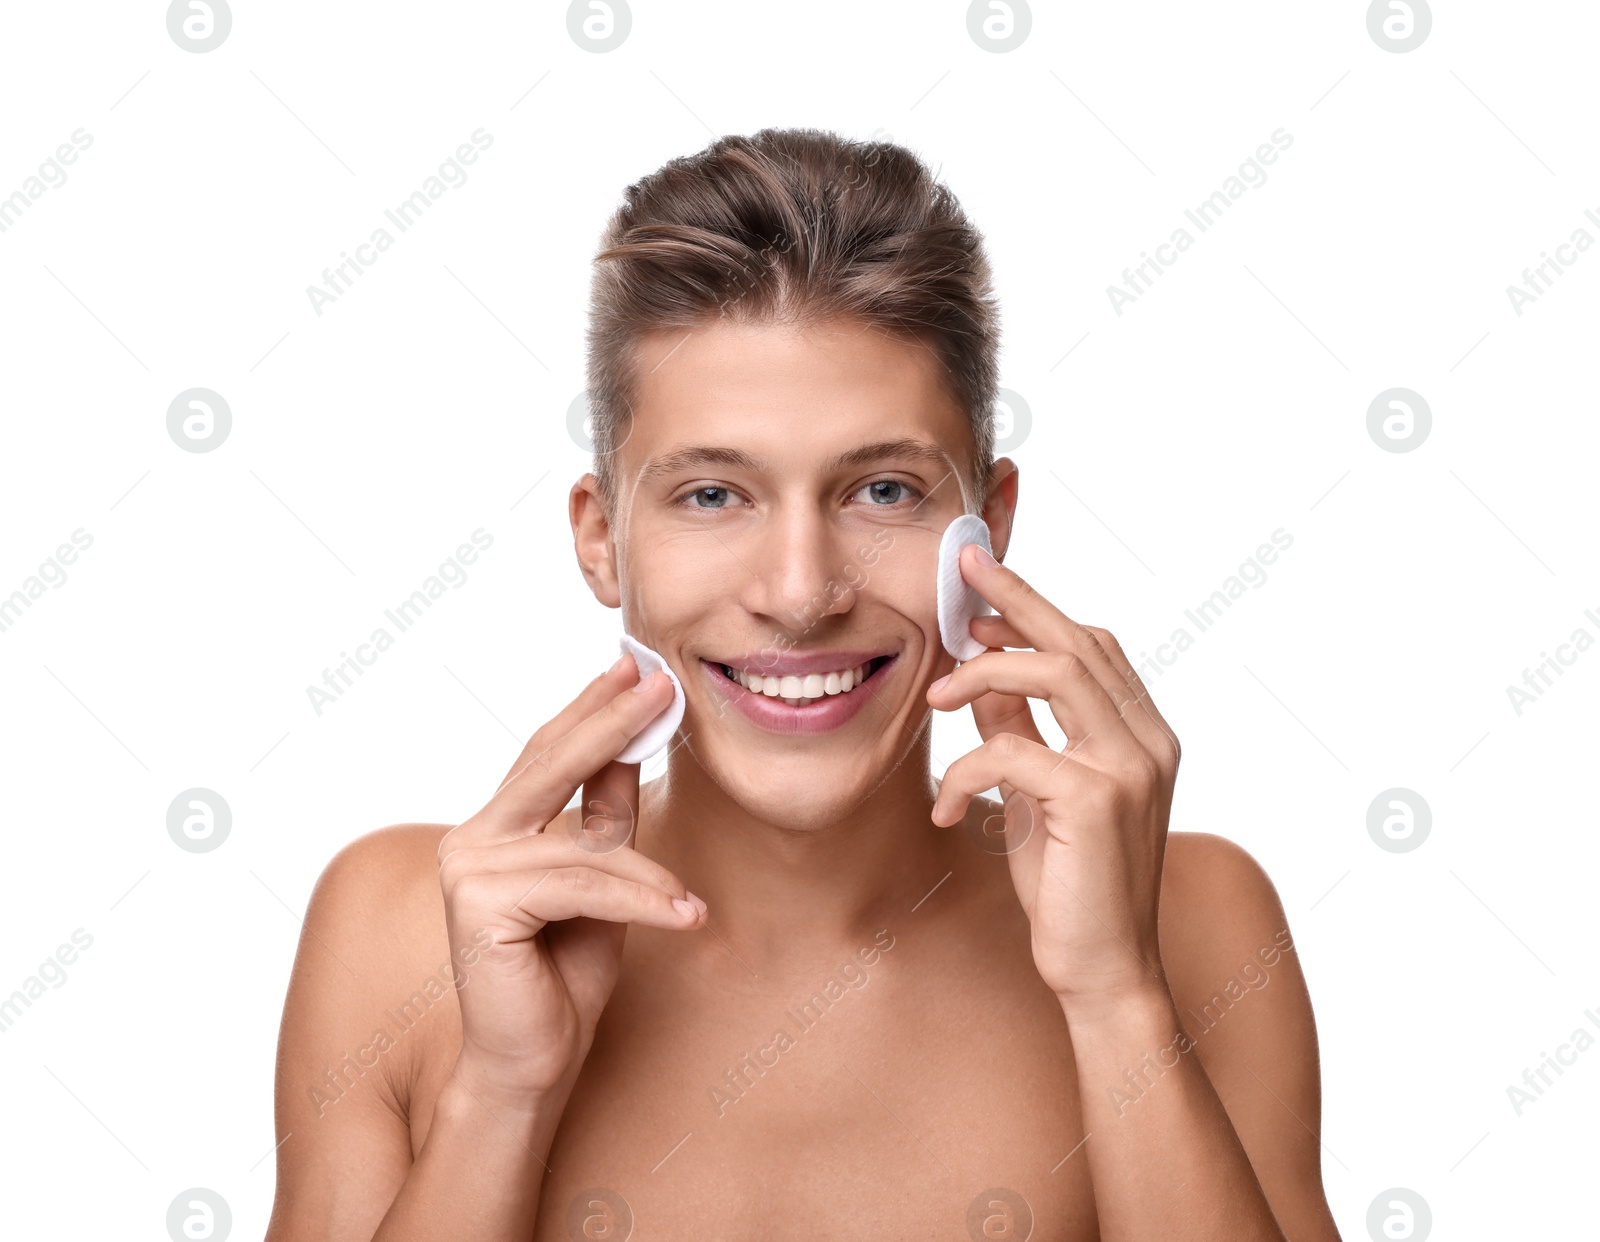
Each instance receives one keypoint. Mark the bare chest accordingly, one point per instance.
(883, 1101)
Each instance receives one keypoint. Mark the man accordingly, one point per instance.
(796, 988)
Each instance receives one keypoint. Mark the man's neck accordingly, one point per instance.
(777, 893)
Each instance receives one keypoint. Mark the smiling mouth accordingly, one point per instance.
(811, 688)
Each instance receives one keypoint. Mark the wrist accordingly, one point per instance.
(472, 1086)
(490, 1141)
(1145, 1004)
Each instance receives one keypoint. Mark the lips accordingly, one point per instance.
(804, 714)
(799, 689)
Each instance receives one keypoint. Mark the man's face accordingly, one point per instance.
(759, 530)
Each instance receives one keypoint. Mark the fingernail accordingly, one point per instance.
(616, 666)
(697, 901)
(984, 558)
(686, 908)
(644, 683)
(936, 685)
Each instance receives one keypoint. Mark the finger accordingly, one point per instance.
(1037, 622)
(1002, 713)
(1164, 747)
(1076, 698)
(996, 713)
(1040, 623)
(1149, 725)
(533, 796)
(601, 690)
(590, 699)
(550, 851)
(1003, 760)
(1160, 739)
(1005, 713)
(517, 905)
(609, 807)
(993, 631)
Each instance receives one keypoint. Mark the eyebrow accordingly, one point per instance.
(692, 456)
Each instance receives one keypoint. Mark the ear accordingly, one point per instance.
(591, 540)
(1001, 506)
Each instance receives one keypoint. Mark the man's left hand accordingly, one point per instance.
(1086, 826)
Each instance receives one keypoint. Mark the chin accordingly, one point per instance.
(795, 799)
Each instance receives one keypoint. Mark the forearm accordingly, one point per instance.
(1163, 1155)
(480, 1169)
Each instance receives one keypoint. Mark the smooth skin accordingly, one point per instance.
(585, 995)
(1087, 831)
(556, 905)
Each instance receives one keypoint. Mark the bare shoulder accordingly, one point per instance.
(1216, 897)
(375, 912)
(347, 1062)
(398, 860)
(378, 898)
(389, 851)
(1236, 979)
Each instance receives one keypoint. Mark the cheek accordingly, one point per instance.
(664, 586)
(904, 573)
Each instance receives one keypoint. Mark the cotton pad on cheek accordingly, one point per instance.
(958, 603)
(659, 731)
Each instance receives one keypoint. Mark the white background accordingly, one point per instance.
(1167, 442)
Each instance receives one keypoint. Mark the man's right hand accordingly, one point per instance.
(555, 904)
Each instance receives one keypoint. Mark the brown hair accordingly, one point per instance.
(793, 226)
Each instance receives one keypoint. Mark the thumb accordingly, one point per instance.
(609, 810)
(996, 713)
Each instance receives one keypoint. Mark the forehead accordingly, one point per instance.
(787, 392)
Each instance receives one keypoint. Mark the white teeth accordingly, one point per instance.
(796, 690)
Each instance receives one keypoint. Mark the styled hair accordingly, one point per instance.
(793, 226)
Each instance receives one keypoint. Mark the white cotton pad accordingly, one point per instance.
(958, 602)
(659, 731)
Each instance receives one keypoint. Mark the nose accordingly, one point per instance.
(795, 568)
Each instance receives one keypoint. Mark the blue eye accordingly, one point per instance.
(887, 492)
(708, 493)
